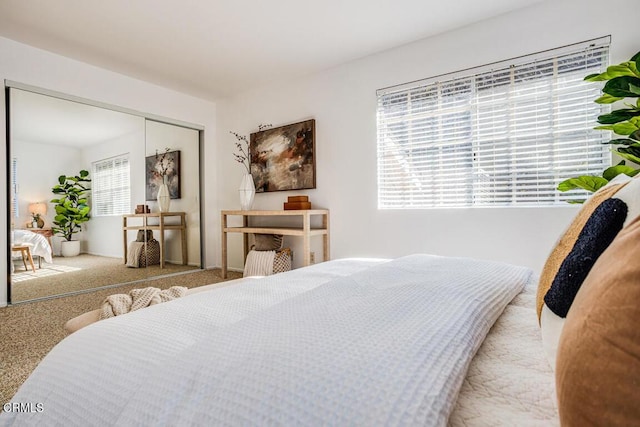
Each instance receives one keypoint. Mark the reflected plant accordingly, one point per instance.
(72, 208)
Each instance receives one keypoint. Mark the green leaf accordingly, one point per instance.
(620, 86)
(636, 58)
(614, 171)
(576, 201)
(624, 69)
(635, 135)
(62, 179)
(596, 77)
(634, 89)
(632, 150)
(621, 141)
(627, 68)
(629, 157)
(585, 182)
(618, 116)
(607, 99)
(631, 153)
(624, 128)
(84, 173)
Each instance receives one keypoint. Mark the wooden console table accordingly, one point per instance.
(306, 232)
(161, 226)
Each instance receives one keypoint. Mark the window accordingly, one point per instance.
(500, 137)
(14, 188)
(110, 186)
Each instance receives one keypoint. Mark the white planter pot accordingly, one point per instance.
(247, 192)
(69, 248)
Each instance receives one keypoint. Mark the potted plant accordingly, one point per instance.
(71, 210)
(623, 81)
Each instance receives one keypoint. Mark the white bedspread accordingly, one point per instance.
(510, 382)
(39, 245)
(342, 343)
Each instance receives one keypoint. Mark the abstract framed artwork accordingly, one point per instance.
(283, 158)
(161, 167)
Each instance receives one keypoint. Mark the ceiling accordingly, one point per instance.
(46, 120)
(215, 48)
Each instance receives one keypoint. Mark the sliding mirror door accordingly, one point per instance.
(172, 225)
(52, 137)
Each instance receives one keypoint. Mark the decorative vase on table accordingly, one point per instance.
(247, 192)
(164, 199)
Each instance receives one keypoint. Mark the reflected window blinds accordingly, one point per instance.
(110, 186)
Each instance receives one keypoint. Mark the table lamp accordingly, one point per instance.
(38, 210)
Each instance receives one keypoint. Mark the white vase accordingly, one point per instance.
(247, 192)
(164, 199)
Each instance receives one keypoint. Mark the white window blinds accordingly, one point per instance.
(14, 188)
(502, 137)
(110, 186)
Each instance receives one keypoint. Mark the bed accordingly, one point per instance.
(38, 244)
(418, 340)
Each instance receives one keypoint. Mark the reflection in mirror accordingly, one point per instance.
(51, 137)
(172, 158)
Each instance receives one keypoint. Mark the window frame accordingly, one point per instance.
(116, 209)
(518, 177)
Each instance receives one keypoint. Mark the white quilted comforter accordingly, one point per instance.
(509, 382)
(357, 342)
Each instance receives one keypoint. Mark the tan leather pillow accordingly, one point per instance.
(598, 361)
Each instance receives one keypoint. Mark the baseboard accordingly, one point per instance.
(236, 270)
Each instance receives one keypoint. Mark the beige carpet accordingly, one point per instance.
(30, 330)
(74, 274)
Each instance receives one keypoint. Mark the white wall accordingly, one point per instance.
(36, 176)
(343, 102)
(101, 235)
(36, 67)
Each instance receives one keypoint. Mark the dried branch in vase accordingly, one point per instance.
(243, 155)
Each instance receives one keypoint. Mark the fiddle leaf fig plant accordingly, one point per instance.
(72, 208)
(622, 83)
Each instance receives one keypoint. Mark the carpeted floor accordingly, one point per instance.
(30, 330)
(67, 275)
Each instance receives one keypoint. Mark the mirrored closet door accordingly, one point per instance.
(84, 196)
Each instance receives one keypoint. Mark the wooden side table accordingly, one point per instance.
(305, 231)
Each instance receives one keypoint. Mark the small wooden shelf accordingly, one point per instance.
(287, 231)
(161, 226)
(305, 231)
